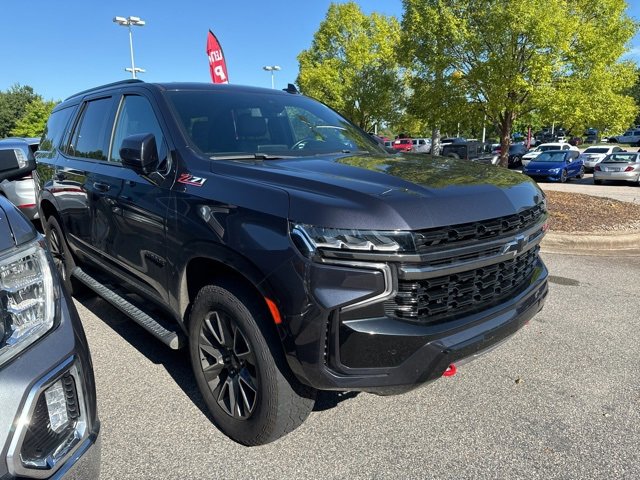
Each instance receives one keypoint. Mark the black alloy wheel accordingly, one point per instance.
(228, 365)
(240, 368)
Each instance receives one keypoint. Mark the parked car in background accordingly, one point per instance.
(630, 137)
(516, 152)
(556, 165)
(594, 155)
(21, 192)
(468, 150)
(591, 135)
(545, 147)
(403, 145)
(48, 415)
(622, 166)
(421, 145)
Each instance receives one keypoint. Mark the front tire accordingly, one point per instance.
(563, 176)
(240, 368)
(581, 173)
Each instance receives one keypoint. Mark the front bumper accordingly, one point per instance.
(334, 347)
(60, 353)
(554, 177)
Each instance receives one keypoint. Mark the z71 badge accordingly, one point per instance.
(189, 179)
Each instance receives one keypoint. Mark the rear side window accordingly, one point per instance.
(91, 136)
(55, 128)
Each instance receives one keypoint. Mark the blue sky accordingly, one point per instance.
(62, 47)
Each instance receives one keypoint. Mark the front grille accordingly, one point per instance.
(450, 296)
(483, 230)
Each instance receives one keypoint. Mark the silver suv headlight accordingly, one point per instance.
(26, 299)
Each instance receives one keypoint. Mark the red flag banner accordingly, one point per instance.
(217, 65)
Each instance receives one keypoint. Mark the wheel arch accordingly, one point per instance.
(209, 269)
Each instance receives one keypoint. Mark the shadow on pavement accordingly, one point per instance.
(175, 362)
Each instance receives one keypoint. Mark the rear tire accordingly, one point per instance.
(240, 368)
(62, 257)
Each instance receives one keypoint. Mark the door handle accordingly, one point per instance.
(101, 187)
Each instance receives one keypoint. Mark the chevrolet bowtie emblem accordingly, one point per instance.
(516, 246)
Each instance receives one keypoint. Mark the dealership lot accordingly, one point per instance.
(559, 400)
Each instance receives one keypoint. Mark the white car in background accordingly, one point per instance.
(421, 145)
(594, 155)
(545, 147)
(631, 137)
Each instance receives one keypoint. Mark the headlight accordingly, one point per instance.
(26, 299)
(310, 238)
(554, 170)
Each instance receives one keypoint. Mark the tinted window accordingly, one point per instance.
(55, 128)
(598, 150)
(136, 116)
(220, 123)
(91, 137)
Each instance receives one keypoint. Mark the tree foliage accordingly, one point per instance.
(34, 119)
(557, 60)
(13, 104)
(352, 65)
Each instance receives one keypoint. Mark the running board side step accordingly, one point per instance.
(174, 340)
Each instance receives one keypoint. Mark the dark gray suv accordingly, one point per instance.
(48, 422)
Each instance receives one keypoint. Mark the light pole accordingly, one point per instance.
(272, 68)
(128, 22)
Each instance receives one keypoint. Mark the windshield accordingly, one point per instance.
(551, 157)
(621, 157)
(596, 150)
(403, 142)
(223, 123)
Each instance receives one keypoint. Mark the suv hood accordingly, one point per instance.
(400, 192)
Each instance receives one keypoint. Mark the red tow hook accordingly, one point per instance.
(450, 371)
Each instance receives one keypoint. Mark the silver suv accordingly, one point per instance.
(21, 192)
(49, 427)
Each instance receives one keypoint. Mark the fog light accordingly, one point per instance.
(57, 407)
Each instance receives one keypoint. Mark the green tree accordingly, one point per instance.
(558, 59)
(34, 119)
(13, 104)
(352, 66)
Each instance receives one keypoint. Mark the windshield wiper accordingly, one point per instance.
(248, 156)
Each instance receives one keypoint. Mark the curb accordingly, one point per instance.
(617, 243)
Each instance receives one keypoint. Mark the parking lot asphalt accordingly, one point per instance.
(625, 192)
(561, 399)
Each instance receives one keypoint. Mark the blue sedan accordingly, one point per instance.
(556, 165)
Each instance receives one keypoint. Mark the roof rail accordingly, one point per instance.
(95, 89)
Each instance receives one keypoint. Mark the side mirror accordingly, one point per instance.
(15, 164)
(140, 153)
